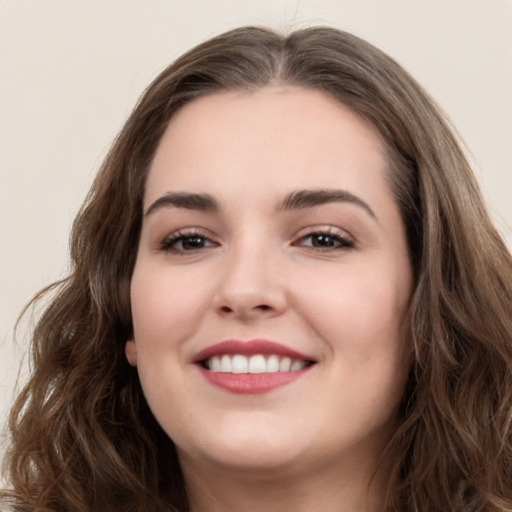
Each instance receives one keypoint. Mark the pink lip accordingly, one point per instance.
(248, 383)
(249, 348)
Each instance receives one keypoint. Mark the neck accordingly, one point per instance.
(345, 487)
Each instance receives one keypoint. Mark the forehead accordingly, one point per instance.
(275, 137)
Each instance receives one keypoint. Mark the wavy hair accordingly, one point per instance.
(82, 435)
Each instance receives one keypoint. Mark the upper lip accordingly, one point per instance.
(249, 348)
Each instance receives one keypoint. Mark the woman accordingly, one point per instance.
(286, 295)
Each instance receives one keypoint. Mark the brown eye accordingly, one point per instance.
(192, 242)
(186, 243)
(325, 241)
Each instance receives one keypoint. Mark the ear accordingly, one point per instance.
(130, 351)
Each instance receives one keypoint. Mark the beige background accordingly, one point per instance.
(71, 70)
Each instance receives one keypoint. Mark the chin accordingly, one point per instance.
(250, 450)
(256, 462)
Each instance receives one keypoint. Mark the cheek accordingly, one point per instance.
(359, 312)
(166, 306)
(166, 309)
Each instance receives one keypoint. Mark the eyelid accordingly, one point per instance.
(326, 229)
(166, 243)
(346, 239)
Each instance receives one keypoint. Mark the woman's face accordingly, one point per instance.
(272, 282)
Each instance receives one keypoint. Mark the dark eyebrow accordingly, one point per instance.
(308, 198)
(189, 201)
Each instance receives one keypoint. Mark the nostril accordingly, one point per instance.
(260, 307)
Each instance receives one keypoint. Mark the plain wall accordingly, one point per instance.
(71, 72)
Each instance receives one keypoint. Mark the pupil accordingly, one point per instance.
(193, 242)
(323, 241)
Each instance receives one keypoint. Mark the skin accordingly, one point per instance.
(258, 272)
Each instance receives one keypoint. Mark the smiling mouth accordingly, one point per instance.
(252, 367)
(254, 364)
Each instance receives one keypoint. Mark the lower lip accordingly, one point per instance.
(251, 383)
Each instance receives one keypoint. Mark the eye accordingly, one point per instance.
(186, 242)
(325, 240)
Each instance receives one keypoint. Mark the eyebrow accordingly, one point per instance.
(302, 199)
(187, 200)
(297, 200)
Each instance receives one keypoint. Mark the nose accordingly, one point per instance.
(249, 286)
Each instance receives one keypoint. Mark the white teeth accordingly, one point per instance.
(257, 364)
(297, 365)
(254, 364)
(285, 364)
(225, 364)
(273, 364)
(215, 364)
(239, 364)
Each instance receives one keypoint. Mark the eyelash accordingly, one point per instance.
(334, 240)
(332, 236)
(169, 244)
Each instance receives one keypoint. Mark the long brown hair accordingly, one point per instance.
(83, 438)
